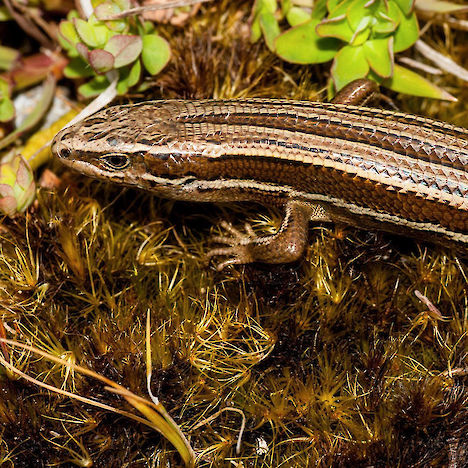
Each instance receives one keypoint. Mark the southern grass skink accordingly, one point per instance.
(374, 169)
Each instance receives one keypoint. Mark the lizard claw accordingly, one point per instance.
(238, 246)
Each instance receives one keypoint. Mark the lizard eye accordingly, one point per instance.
(116, 161)
(65, 153)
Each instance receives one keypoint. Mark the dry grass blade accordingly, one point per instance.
(156, 415)
(442, 61)
(222, 410)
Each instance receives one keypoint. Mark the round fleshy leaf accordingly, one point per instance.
(359, 37)
(125, 49)
(406, 6)
(266, 5)
(387, 19)
(359, 15)
(155, 54)
(296, 16)
(7, 109)
(147, 28)
(384, 25)
(92, 34)
(101, 60)
(350, 64)
(78, 68)
(379, 55)
(337, 8)
(408, 82)
(135, 73)
(255, 31)
(128, 77)
(332, 4)
(319, 10)
(270, 28)
(122, 86)
(407, 33)
(68, 32)
(17, 187)
(82, 50)
(302, 45)
(4, 88)
(123, 4)
(105, 10)
(94, 87)
(338, 28)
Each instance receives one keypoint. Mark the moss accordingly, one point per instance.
(334, 361)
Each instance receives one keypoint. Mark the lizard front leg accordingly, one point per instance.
(287, 245)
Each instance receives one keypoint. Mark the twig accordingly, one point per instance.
(154, 7)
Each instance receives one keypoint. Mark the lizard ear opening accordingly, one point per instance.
(116, 161)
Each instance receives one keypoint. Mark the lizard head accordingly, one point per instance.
(113, 145)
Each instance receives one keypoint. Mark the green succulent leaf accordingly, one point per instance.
(406, 6)
(148, 28)
(128, 77)
(319, 10)
(286, 5)
(296, 16)
(387, 20)
(101, 60)
(83, 51)
(122, 86)
(4, 88)
(68, 37)
(7, 110)
(134, 74)
(125, 49)
(8, 57)
(33, 117)
(409, 82)
(359, 17)
(109, 9)
(332, 4)
(337, 8)
(94, 87)
(123, 4)
(407, 33)
(359, 37)
(337, 27)
(78, 68)
(270, 28)
(266, 5)
(105, 10)
(17, 187)
(91, 33)
(350, 64)
(379, 55)
(155, 54)
(302, 45)
(256, 30)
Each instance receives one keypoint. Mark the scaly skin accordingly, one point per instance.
(371, 168)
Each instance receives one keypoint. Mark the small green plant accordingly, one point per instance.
(17, 187)
(99, 45)
(360, 36)
(7, 110)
